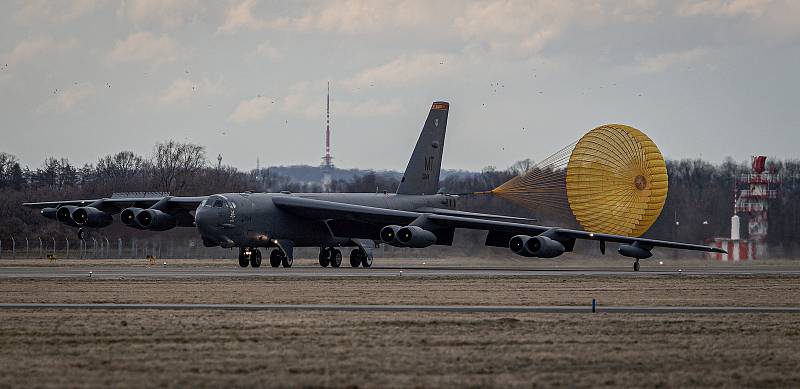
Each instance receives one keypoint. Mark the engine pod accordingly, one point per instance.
(153, 219)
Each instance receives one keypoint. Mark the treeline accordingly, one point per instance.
(699, 204)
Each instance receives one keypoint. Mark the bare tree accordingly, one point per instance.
(176, 164)
(121, 171)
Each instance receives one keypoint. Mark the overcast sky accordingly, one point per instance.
(85, 78)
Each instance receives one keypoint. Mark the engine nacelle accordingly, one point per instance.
(91, 217)
(128, 217)
(153, 219)
(389, 235)
(64, 214)
(416, 237)
(536, 246)
(634, 251)
(49, 213)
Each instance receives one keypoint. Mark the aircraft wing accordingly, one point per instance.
(188, 203)
(500, 232)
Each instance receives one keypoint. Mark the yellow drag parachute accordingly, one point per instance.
(615, 181)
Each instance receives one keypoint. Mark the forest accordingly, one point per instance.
(699, 205)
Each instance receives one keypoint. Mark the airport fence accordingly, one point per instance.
(102, 247)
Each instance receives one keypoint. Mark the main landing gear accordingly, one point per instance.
(330, 256)
(278, 258)
(636, 265)
(252, 257)
(333, 257)
(248, 256)
(360, 257)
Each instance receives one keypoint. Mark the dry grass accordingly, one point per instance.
(291, 349)
(638, 289)
(146, 348)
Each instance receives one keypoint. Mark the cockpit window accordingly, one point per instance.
(205, 203)
(218, 204)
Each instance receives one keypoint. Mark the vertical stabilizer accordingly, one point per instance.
(422, 173)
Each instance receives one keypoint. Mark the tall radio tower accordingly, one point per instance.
(327, 160)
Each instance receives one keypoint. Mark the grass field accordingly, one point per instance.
(104, 348)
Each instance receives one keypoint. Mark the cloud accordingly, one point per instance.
(369, 108)
(183, 90)
(240, 16)
(347, 16)
(401, 70)
(33, 47)
(52, 11)
(265, 49)
(304, 99)
(252, 110)
(67, 99)
(723, 7)
(169, 13)
(144, 46)
(518, 26)
(359, 16)
(662, 62)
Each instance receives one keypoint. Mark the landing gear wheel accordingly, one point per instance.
(244, 258)
(366, 260)
(324, 257)
(83, 233)
(355, 258)
(255, 258)
(275, 258)
(336, 258)
(286, 261)
(636, 265)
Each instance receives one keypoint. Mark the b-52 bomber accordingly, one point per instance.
(416, 216)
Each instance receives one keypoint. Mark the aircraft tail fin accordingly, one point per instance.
(422, 173)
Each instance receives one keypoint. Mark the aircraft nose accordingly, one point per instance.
(209, 227)
(204, 220)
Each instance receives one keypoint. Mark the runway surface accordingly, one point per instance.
(410, 308)
(168, 271)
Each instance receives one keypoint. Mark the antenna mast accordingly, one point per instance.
(326, 160)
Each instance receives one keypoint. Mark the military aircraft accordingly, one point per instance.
(416, 216)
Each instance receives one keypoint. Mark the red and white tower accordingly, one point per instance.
(753, 192)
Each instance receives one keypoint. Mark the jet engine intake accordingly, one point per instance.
(634, 251)
(128, 217)
(536, 246)
(153, 219)
(389, 235)
(416, 237)
(64, 214)
(91, 217)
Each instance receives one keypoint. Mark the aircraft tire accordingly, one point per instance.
(255, 258)
(366, 261)
(336, 258)
(243, 261)
(355, 258)
(286, 261)
(275, 258)
(636, 266)
(324, 257)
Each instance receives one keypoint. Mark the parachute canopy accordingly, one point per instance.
(614, 180)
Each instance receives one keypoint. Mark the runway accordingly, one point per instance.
(183, 271)
(411, 308)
